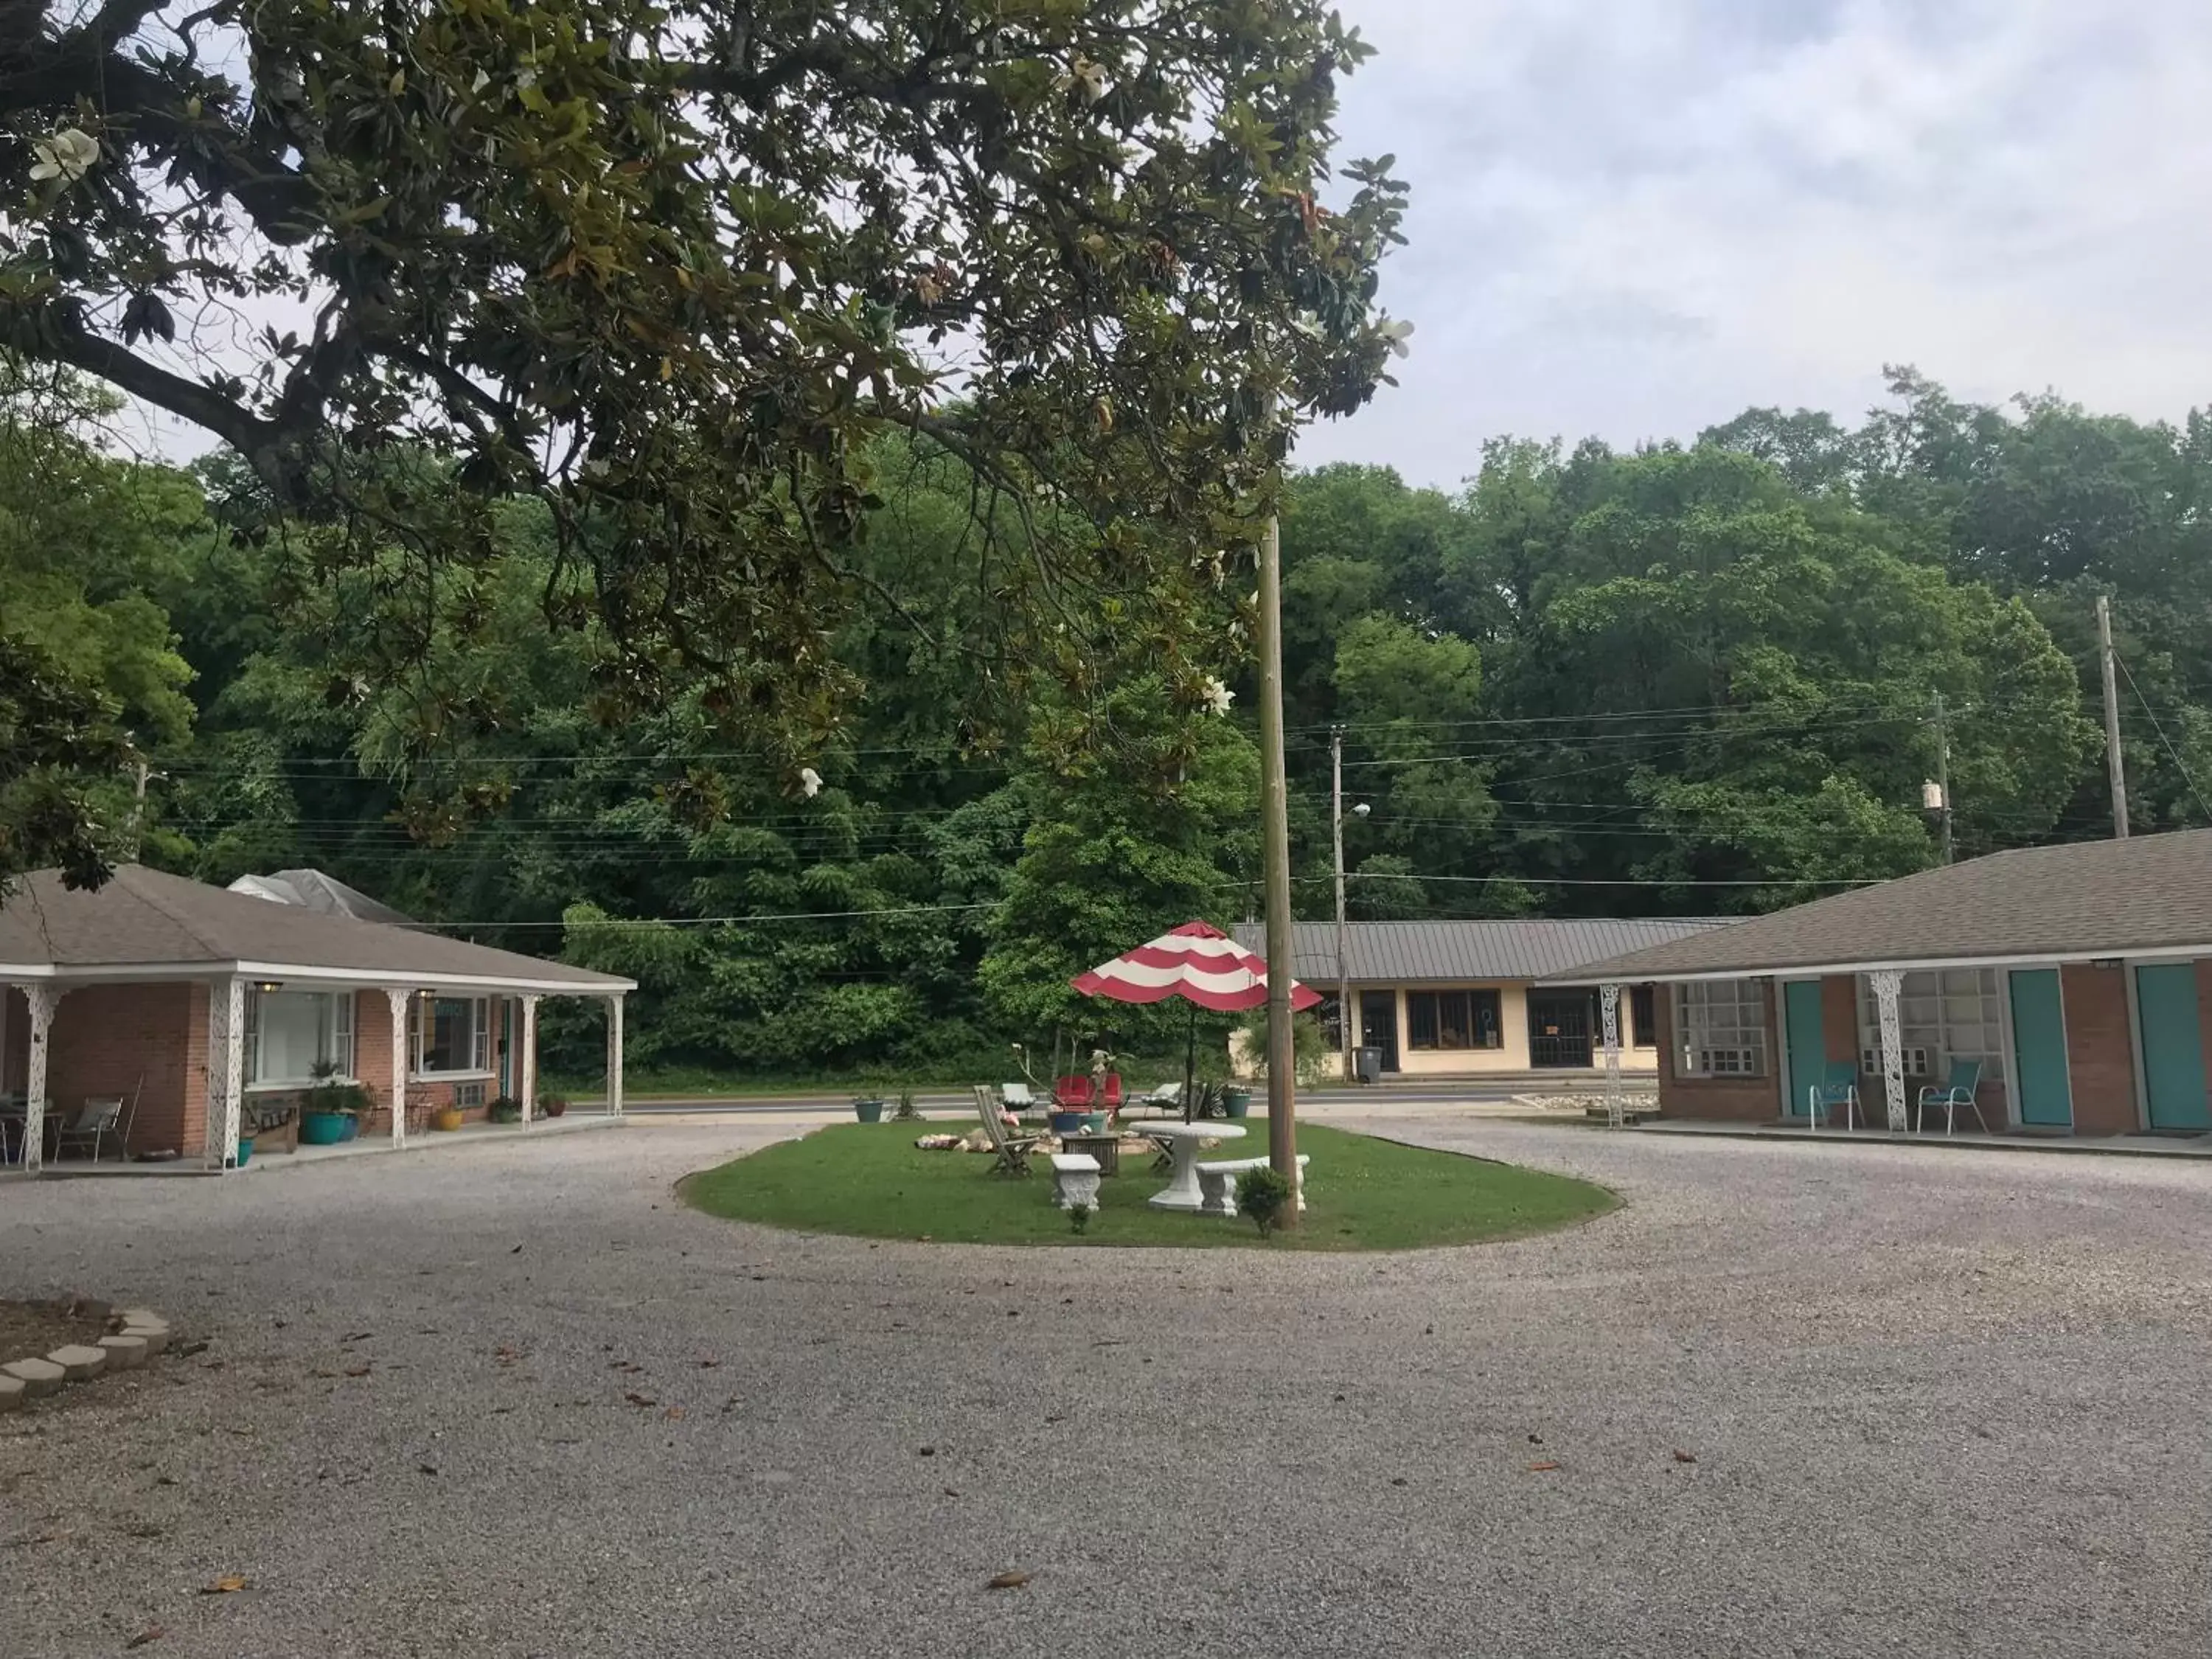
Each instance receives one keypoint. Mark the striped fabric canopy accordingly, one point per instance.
(1200, 963)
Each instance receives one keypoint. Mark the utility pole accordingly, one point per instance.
(1276, 860)
(1943, 771)
(1336, 835)
(2116, 765)
(138, 808)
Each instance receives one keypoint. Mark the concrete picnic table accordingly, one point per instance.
(1181, 1191)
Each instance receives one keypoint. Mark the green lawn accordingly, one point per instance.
(1362, 1193)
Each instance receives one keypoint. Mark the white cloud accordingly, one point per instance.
(1635, 217)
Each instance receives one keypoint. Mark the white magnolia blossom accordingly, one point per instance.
(809, 782)
(1218, 696)
(1087, 79)
(68, 154)
(1395, 332)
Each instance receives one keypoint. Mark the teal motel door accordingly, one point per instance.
(1809, 1043)
(2039, 1043)
(2172, 1046)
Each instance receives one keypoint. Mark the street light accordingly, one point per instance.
(1336, 837)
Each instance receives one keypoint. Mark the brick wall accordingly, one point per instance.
(2100, 1049)
(372, 1050)
(1839, 1017)
(1741, 1100)
(127, 1040)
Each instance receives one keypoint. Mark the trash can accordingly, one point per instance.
(1370, 1064)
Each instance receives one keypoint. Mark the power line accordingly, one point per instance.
(2178, 765)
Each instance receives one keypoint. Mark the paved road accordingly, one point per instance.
(949, 1101)
(1939, 1405)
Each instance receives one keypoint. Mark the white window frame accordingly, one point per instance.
(1720, 1029)
(479, 1039)
(336, 1041)
(1934, 1026)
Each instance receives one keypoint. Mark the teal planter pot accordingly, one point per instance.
(324, 1129)
(868, 1111)
(1236, 1102)
(245, 1150)
(1069, 1123)
(1095, 1122)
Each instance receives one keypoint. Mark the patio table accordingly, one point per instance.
(1181, 1192)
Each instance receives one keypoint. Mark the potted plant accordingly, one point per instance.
(505, 1109)
(445, 1119)
(1236, 1100)
(332, 1109)
(868, 1108)
(552, 1105)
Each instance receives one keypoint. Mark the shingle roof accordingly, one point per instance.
(2087, 899)
(1463, 952)
(147, 918)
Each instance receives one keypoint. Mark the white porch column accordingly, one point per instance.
(43, 1000)
(527, 1070)
(1886, 983)
(1609, 996)
(615, 1056)
(398, 1001)
(227, 1021)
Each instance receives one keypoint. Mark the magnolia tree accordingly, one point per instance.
(676, 268)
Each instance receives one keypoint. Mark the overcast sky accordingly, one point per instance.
(1635, 218)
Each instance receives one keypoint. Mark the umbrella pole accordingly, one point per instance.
(1190, 1064)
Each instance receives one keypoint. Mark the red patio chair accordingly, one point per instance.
(1071, 1094)
(1111, 1099)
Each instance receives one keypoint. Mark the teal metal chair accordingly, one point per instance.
(1956, 1093)
(1839, 1087)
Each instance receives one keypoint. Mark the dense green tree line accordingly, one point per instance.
(1692, 678)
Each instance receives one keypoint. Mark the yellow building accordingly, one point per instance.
(1459, 998)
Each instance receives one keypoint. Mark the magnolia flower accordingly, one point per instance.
(809, 782)
(1085, 79)
(1395, 335)
(69, 155)
(1218, 696)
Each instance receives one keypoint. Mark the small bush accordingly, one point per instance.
(1262, 1193)
(1079, 1217)
(907, 1111)
(505, 1109)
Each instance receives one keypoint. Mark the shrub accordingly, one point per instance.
(1262, 1193)
(907, 1111)
(1079, 1217)
(504, 1109)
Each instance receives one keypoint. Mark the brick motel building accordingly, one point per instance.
(2078, 978)
(210, 1013)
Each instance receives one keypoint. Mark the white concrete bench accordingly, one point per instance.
(1074, 1181)
(1217, 1182)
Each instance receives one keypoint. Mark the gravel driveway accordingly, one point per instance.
(518, 1401)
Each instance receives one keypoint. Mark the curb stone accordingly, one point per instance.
(143, 1333)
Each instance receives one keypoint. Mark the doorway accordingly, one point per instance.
(1806, 1033)
(1560, 1023)
(2039, 1043)
(2172, 1046)
(1378, 1025)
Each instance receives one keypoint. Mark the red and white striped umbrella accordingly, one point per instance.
(1200, 963)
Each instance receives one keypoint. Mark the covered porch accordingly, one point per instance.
(163, 1021)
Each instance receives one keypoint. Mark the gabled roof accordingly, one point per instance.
(315, 890)
(148, 920)
(2149, 896)
(1463, 952)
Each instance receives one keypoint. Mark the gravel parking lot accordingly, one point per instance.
(516, 1400)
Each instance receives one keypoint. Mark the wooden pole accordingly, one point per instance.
(1943, 770)
(2116, 765)
(1275, 858)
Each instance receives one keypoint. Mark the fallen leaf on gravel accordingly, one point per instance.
(505, 1354)
(1397, 1479)
(674, 1413)
(357, 1370)
(516, 1250)
(1684, 1457)
(953, 1492)
(427, 1468)
(224, 1585)
(192, 1348)
(357, 1336)
(1535, 1439)
(641, 1400)
(1010, 1580)
(151, 1633)
(1542, 1468)
(708, 1364)
(924, 1451)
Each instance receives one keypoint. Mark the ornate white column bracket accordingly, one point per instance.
(1609, 996)
(528, 1069)
(42, 1000)
(1886, 982)
(614, 1055)
(398, 1001)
